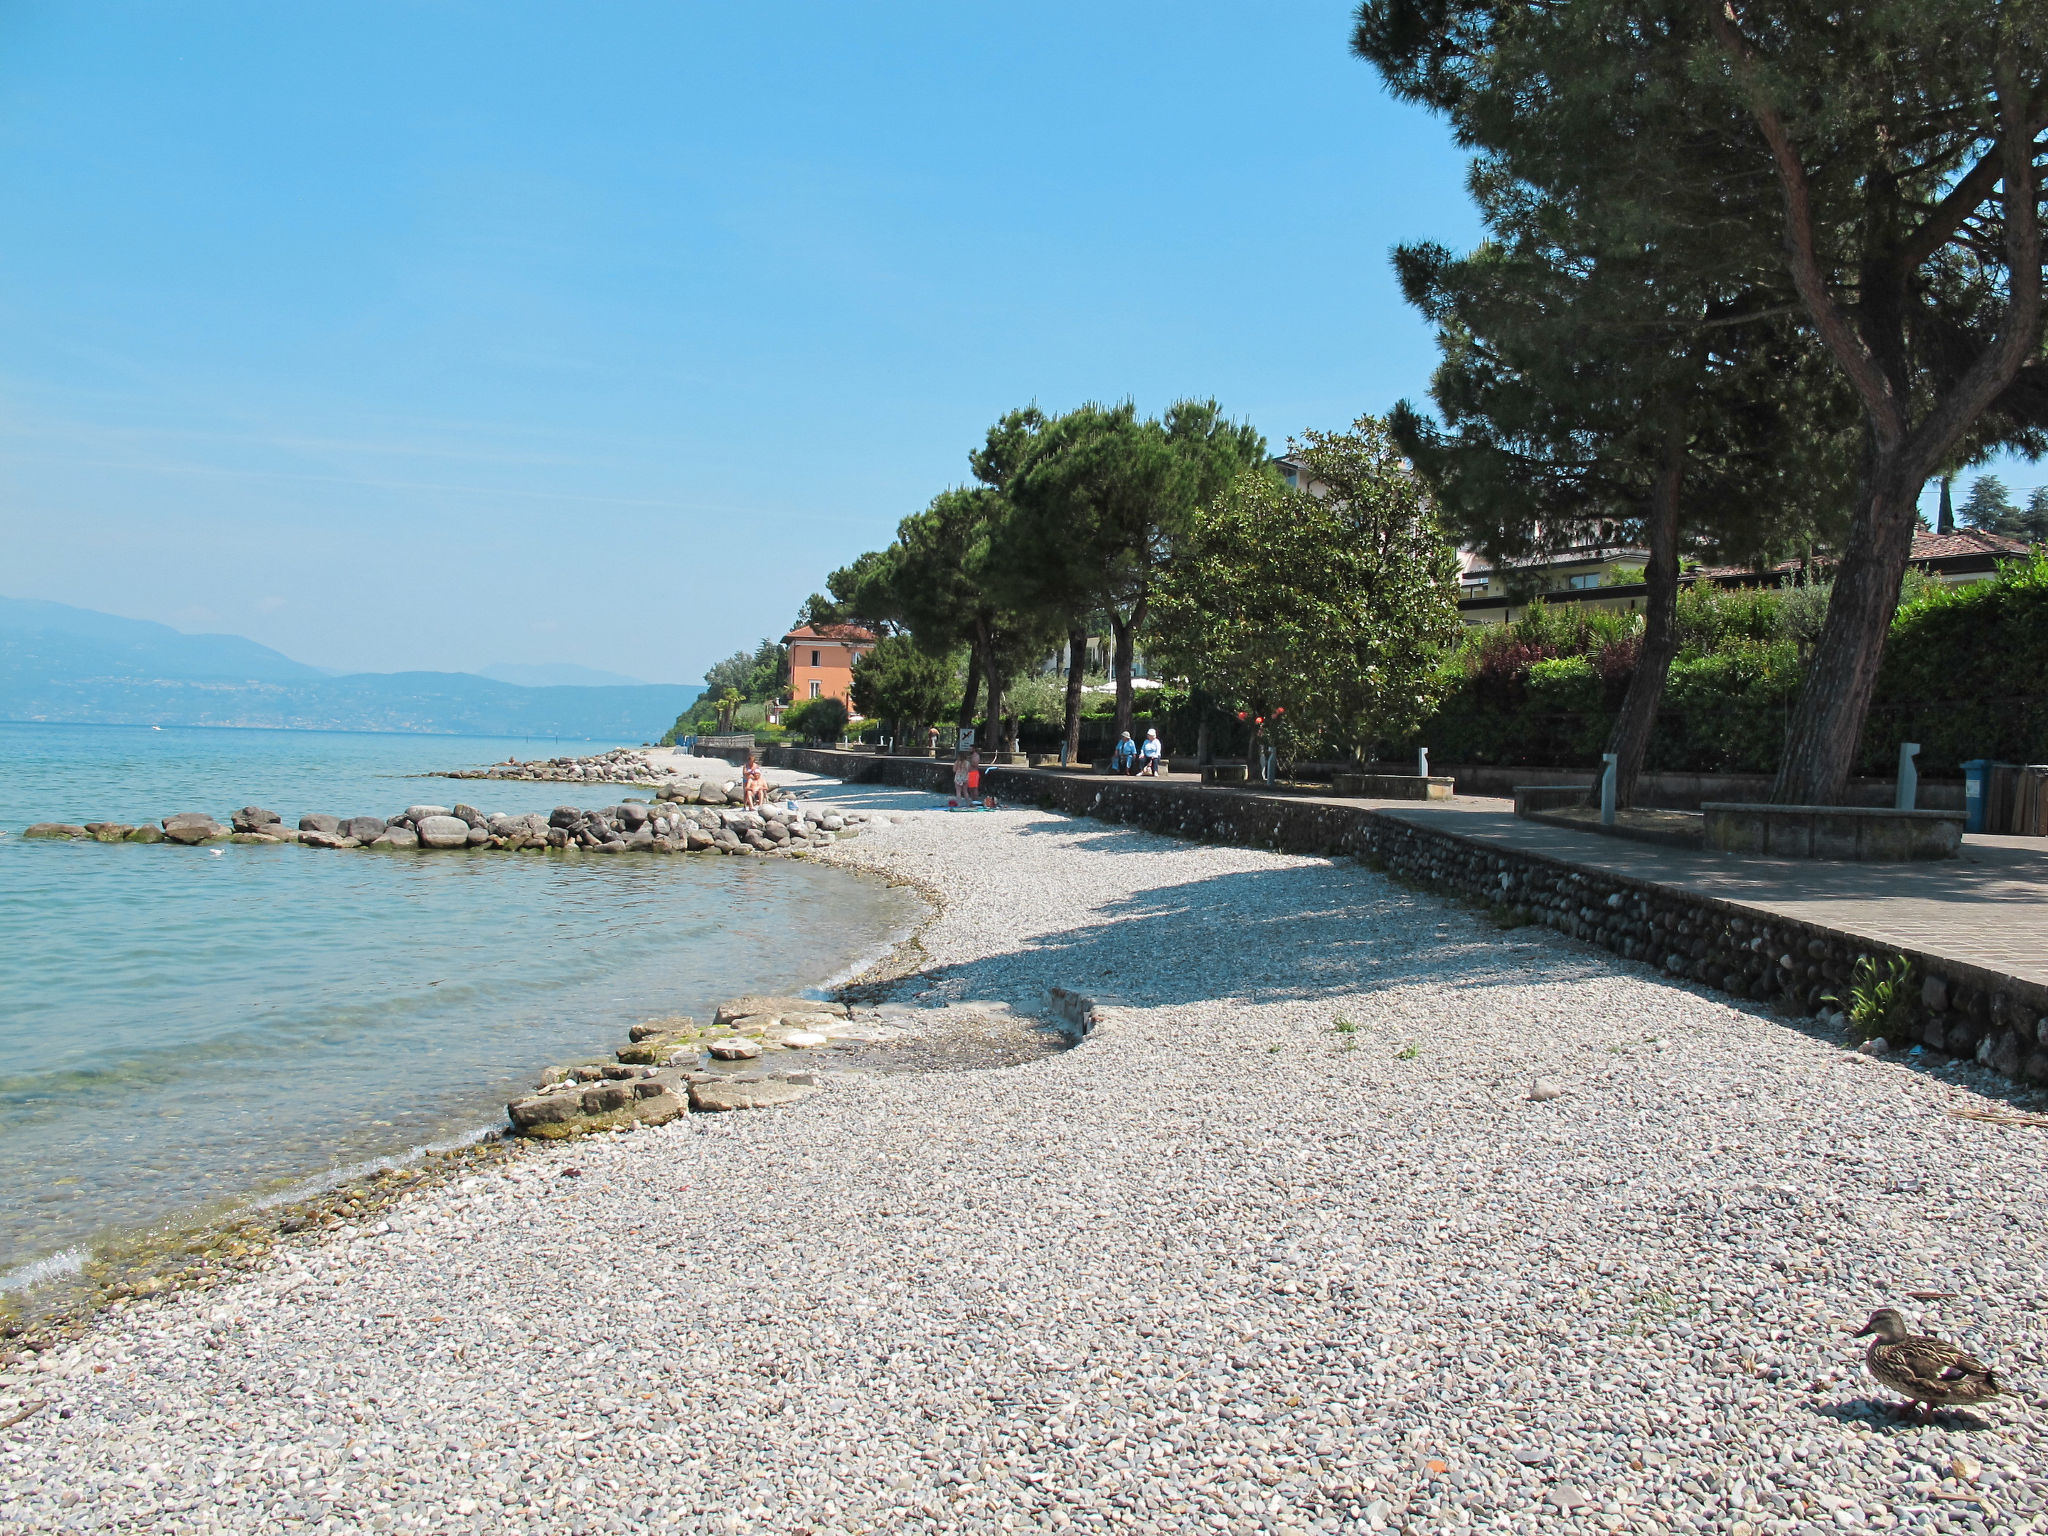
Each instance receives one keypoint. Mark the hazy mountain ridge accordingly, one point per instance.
(59, 663)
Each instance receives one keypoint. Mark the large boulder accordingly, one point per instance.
(742, 1049)
(652, 1099)
(443, 831)
(564, 816)
(320, 821)
(145, 835)
(470, 815)
(55, 829)
(726, 1094)
(402, 837)
(419, 813)
(108, 831)
(253, 818)
(192, 827)
(364, 829)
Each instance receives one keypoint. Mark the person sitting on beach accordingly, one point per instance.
(753, 788)
(1151, 752)
(1126, 756)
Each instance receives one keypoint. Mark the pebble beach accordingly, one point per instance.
(1354, 1212)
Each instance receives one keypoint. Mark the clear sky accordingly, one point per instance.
(443, 335)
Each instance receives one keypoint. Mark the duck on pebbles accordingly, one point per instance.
(1924, 1369)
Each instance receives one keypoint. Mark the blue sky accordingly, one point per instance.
(445, 335)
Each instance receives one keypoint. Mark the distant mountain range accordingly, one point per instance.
(59, 663)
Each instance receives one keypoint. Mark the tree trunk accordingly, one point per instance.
(973, 695)
(991, 738)
(1077, 661)
(1630, 739)
(1126, 648)
(1205, 737)
(1826, 729)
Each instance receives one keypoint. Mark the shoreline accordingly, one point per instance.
(64, 1292)
(1290, 1244)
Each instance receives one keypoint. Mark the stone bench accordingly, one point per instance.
(1852, 832)
(1391, 786)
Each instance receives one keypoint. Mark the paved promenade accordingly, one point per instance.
(1988, 908)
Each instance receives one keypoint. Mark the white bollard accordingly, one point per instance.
(1607, 788)
(1422, 762)
(1909, 777)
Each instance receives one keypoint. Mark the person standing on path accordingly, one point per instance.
(1151, 752)
(1126, 756)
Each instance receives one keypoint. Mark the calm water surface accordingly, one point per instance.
(181, 1029)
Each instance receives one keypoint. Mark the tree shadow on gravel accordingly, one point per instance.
(1328, 953)
(1270, 936)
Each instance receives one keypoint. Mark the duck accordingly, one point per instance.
(1923, 1369)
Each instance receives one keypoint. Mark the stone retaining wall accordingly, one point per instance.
(1964, 1009)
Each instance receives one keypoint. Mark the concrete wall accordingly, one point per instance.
(1964, 1009)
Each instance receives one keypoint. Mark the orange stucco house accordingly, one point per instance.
(821, 661)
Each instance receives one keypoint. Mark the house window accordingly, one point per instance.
(1586, 582)
(814, 658)
(816, 686)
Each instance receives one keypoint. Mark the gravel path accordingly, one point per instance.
(1284, 1246)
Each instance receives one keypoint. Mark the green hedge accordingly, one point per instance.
(1965, 674)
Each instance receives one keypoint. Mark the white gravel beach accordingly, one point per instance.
(1285, 1245)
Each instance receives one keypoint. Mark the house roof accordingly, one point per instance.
(1965, 547)
(849, 634)
(1965, 541)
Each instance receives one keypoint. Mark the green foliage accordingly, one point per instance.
(1880, 1001)
(1990, 506)
(1324, 614)
(897, 681)
(1966, 673)
(816, 719)
(1963, 675)
(755, 676)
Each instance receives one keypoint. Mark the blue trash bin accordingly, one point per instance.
(1976, 780)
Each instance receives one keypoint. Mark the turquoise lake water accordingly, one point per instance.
(181, 1029)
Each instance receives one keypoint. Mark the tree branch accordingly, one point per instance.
(2019, 333)
(1855, 358)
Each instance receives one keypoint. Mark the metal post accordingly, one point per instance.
(1063, 757)
(1909, 776)
(1422, 762)
(1612, 760)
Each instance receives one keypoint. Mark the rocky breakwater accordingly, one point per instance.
(623, 766)
(666, 826)
(675, 1066)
